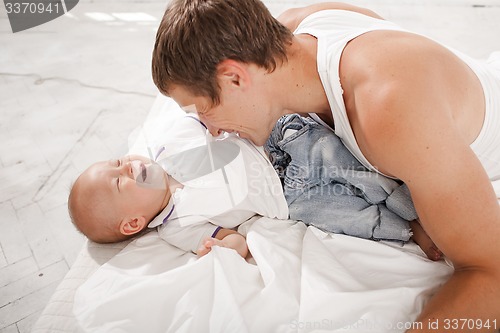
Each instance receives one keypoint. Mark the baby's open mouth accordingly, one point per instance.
(143, 172)
(148, 174)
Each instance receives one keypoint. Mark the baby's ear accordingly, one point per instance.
(132, 225)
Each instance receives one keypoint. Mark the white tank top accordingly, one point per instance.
(335, 28)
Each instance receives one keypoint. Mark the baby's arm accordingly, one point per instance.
(225, 238)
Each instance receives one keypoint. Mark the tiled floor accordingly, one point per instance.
(73, 89)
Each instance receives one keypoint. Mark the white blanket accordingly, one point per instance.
(299, 279)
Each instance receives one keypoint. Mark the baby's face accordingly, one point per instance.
(134, 185)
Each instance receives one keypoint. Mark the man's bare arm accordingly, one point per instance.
(404, 122)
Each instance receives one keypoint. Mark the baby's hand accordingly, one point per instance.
(231, 240)
(207, 244)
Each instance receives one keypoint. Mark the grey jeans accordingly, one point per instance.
(325, 186)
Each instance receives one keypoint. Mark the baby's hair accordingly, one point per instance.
(90, 217)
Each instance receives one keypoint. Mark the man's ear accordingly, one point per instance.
(232, 73)
(132, 225)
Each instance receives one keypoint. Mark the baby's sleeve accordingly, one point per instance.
(187, 238)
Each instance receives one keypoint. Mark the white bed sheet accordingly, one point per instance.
(299, 280)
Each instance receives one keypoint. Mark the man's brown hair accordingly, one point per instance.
(196, 35)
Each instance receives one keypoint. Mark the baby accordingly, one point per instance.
(195, 208)
(211, 188)
(114, 200)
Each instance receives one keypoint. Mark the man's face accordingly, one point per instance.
(237, 113)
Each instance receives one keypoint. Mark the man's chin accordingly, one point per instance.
(257, 141)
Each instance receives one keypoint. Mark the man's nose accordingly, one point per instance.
(215, 131)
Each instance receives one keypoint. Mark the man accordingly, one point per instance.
(404, 105)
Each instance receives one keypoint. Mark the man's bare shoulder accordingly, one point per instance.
(390, 54)
(396, 83)
(390, 91)
(292, 17)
